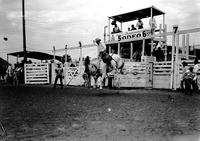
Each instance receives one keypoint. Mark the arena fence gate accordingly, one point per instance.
(72, 75)
(36, 73)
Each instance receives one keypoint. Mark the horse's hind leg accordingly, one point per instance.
(101, 83)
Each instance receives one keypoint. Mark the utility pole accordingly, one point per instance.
(24, 31)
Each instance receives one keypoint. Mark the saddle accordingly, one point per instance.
(106, 59)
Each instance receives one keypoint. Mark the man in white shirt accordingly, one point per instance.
(102, 54)
(152, 24)
(139, 24)
(116, 28)
(100, 46)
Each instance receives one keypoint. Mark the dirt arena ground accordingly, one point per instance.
(41, 113)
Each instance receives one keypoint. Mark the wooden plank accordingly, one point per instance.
(162, 69)
(33, 70)
(77, 47)
(36, 82)
(33, 74)
(36, 65)
(162, 74)
(161, 81)
(129, 80)
(37, 77)
(36, 68)
(161, 66)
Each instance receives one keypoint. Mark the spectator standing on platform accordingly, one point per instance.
(133, 27)
(59, 75)
(139, 24)
(152, 24)
(116, 28)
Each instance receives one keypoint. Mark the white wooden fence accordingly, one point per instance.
(136, 74)
(36, 73)
(162, 75)
(147, 75)
(74, 76)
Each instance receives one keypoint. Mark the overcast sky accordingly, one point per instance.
(61, 22)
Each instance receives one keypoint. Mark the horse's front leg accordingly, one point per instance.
(94, 82)
(101, 83)
(102, 80)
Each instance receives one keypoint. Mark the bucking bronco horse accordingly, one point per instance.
(106, 65)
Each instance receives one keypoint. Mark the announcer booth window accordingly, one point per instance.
(113, 47)
(125, 50)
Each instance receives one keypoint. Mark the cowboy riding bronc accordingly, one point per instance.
(102, 54)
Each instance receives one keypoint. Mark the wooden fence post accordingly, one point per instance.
(183, 46)
(65, 66)
(175, 27)
(187, 45)
(54, 50)
(176, 72)
(80, 62)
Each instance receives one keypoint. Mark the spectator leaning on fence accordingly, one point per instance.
(197, 71)
(9, 74)
(16, 74)
(59, 75)
(185, 69)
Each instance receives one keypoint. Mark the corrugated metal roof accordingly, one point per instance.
(142, 13)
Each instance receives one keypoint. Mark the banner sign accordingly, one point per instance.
(130, 35)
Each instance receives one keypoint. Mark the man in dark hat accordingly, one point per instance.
(59, 75)
(190, 78)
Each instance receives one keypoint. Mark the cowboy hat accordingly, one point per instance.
(58, 64)
(97, 40)
(113, 22)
